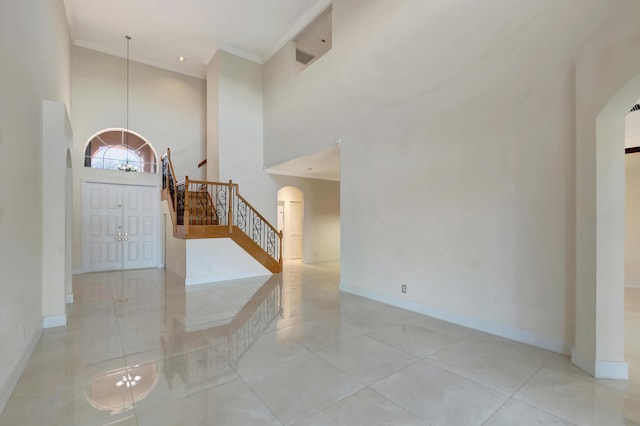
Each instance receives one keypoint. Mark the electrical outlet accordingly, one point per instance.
(404, 288)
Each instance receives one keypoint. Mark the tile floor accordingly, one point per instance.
(291, 349)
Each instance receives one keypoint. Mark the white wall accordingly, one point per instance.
(457, 157)
(607, 86)
(174, 249)
(166, 108)
(238, 103)
(321, 227)
(56, 279)
(35, 66)
(219, 259)
(632, 202)
(632, 221)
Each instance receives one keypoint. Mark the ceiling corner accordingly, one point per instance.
(297, 27)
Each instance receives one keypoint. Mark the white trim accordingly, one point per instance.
(239, 53)
(16, 372)
(616, 370)
(632, 284)
(52, 321)
(84, 181)
(77, 271)
(200, 73)
(508, 332)
(68, 299)
(275, 171)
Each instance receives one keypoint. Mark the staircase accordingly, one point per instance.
(203, 209)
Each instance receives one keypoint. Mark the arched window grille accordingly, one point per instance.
(120, 150)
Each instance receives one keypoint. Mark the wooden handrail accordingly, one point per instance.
(243, 237)
(210, 182)
(168, 154)
(202, 163)
(173, 174)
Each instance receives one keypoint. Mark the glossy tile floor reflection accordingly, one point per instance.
(291, 349)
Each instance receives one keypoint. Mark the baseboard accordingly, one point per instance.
(511, 333)
(52, 321)
(68, 298)
(12, 380)
(617, 370)
(632, 284)
(77, 271)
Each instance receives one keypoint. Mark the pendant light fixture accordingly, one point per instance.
(127, 167)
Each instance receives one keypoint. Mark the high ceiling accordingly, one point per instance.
(164, 30)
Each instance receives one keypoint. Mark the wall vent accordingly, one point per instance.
(636, 107)
(314, 41)
(304, 57)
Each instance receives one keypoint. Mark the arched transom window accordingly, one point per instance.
(120, 150)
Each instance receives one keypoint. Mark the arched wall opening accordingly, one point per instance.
(291, 222)
(607, 86)
(69, 229)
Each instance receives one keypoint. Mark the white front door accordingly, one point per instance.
(120, 227)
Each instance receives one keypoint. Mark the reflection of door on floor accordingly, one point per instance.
(295, 229)
(120, 227)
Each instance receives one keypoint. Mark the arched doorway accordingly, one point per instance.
(290, 222)
(605, 92)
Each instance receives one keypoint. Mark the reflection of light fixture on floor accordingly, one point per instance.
(128, 381)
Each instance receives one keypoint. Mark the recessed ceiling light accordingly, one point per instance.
(181, 58)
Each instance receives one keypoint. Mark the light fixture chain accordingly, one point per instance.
(127, 118)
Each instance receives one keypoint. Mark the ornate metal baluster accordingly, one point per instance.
(221, 204)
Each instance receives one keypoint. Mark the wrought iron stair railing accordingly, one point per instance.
(215, 209)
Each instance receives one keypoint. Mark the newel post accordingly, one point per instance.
(187, 205)
(230, 217)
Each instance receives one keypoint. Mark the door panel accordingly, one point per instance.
(120, 227)
(295, 234)
(103, 219)
(141, 216)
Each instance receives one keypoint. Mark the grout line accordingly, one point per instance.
(512, 397)
(257, 396)
(124, 356)
(395, 404)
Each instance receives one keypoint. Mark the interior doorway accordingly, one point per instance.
(120, 226)
(291, 222)
(632, 243)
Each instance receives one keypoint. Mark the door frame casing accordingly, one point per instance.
(84, 182)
